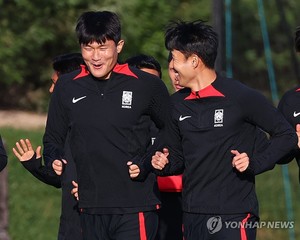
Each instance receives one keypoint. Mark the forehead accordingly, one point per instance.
(96, 44)
(177, 54)
(151, 71)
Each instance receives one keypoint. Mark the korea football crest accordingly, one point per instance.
(126, 99)
(218, 118)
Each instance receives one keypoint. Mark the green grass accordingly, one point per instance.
(34, 208)
(271, 195)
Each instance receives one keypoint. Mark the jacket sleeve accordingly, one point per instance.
(261, 141)
(41, 172)
(56, 127)
(168, 138)
(283, 137)
(172, 141)
(3, 156)
(286, 109)
(159, 110)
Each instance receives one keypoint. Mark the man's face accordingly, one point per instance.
(100, 59)
(183, 67)
(54, 78)
(173, 76)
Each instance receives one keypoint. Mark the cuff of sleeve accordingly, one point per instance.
(33, 163)
(251, 169)
(143, 166)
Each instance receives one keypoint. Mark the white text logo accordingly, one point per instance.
(126, 99)
(218, 118)
(214, 224)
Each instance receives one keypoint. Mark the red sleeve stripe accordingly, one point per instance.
(243, 229)
(143, 235)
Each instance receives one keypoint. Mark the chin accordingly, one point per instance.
(179, 87)
(98, 74)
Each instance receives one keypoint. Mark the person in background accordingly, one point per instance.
(289, 106)
(69, 227)
(150, 65)
(170, 187)
(145, 63)
(3, 156)
(101, 107)
(211, 138)
(172, 75)
(63, 64)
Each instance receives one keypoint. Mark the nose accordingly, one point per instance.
(96, 55)
(172, 63)
(176, 76)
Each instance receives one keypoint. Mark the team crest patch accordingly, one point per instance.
(218, 118)
(126, 99)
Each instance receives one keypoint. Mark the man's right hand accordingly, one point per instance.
(58, 166)
(134, 169)
(24, 151)
(298, 133)
(160, 159)
(74, 191)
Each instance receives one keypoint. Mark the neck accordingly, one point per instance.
(203, 79)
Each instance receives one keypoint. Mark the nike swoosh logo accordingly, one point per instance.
(75, 100)
(181, 118)
(296, 114)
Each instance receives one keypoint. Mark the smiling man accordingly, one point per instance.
(289, 105)
(101, 108)
(212, 132)
(211, 138)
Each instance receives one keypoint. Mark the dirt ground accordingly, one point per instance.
(22, 120)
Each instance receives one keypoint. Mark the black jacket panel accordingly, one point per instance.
(205, 127)
(103, 119)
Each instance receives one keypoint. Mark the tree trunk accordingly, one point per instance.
(218, 24)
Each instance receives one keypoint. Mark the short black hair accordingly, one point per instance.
(194, 37)
(297, 39)
(170, 57)
(144, 61)
(98, 26)
(66, 63)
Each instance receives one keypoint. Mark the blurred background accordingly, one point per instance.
(34, 31)
(256, 47)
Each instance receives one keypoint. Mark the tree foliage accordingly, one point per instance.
(34, 31)
(249, 59)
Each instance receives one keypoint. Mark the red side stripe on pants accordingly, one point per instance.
(243, 230)
(143, 235)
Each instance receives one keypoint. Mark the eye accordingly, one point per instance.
(87, 48)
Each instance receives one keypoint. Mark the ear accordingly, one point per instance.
(195, 60)
(120, 45)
